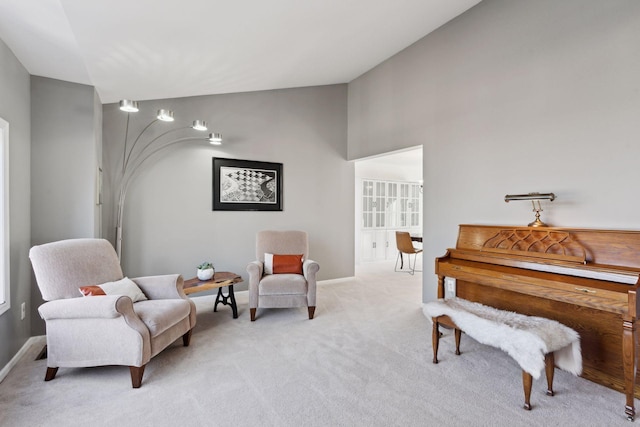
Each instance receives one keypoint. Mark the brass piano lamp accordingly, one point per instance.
(534, 197)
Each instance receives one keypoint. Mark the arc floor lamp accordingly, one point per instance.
(135, 156)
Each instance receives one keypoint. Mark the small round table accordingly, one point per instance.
(218, 281)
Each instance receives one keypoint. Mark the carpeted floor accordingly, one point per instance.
(365, 360)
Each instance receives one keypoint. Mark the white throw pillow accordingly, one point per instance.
(268, 263)
(124, 286)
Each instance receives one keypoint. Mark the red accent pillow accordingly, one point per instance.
(287, 264)
(91, 291)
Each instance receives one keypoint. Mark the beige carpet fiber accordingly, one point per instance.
(365, 360)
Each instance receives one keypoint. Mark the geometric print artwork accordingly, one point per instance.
(243, 185)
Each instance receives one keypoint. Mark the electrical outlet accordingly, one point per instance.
(450, 285)
(23, 310)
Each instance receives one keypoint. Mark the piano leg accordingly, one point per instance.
(440, 287)
(629, 364)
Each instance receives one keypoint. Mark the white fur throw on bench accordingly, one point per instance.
(525, 338)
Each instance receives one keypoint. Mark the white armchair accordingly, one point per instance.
(282, 290)
(108, 329)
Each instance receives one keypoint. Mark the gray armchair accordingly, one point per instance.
(282, 290)
(108, 329)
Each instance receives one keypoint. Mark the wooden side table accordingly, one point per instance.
(218, 281)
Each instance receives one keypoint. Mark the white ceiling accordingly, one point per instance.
(407, 163)
(152, 49)
(402, 158)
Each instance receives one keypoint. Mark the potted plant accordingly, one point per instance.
(205, 271)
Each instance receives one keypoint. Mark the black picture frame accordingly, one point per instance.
(246, 185)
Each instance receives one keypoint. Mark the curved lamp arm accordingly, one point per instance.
(125, 155)
(131, 172)
(141, 153)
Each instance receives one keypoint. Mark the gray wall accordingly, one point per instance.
(169, 225)
(14, 108)
(65, 140)
(513, 97)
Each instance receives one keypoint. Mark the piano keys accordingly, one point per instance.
(586, 279)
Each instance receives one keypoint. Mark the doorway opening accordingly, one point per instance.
(388, 198)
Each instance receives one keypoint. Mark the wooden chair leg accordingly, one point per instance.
(51, 374)
(186, 338)
(527, 381)
(312, 311)
(253, 314)
(550, 364)
(136, 375)
(458, 334)
(435, 340)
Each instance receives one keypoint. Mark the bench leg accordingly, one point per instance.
(446, 321)
(435, 340)
(527, 380)
(550, 364)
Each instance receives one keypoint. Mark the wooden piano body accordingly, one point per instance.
(586, 279)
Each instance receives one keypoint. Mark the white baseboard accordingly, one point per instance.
(14, 361)
(333, 281)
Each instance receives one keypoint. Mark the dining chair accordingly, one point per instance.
(405, 246)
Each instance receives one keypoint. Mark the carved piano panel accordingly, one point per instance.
(540, 243)
(586, 279)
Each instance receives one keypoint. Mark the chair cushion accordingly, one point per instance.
(160, 315)
(283, 284)
(282, 264)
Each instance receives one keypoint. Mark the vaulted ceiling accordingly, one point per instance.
(151, 49)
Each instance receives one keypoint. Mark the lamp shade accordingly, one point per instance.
(165, 115)
(129, 106)
(199, 125)
(215, 138)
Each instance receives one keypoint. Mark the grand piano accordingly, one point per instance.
(586, 279)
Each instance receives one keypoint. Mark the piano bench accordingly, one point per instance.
(525, 338)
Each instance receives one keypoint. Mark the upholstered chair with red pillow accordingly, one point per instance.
(283, 275)
(94, 316)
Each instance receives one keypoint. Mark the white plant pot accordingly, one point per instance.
(205, 274)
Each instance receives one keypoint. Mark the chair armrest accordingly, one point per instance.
(105, 322)
(255, 270)
(310, 268)
(168, 286)
(99, 307)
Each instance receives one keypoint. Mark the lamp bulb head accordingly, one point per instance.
(215, 138)
(165, 115)
(129, 106)
(199, 125)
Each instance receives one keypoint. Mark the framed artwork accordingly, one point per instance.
(246, 185)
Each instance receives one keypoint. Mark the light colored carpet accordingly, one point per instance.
(365, 360)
